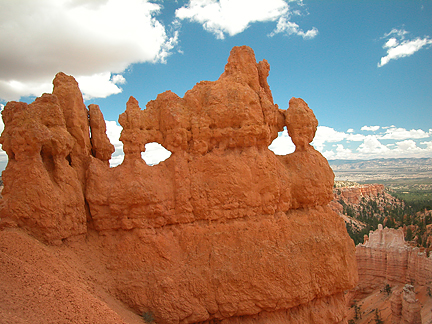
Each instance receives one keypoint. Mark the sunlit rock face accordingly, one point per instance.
(220, 167)
(44, 181)
(224, 229)
(385, 258)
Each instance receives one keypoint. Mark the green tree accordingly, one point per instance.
(420, 240)
(378, 319)
(387, 289)
(148, 317)
(390, 223)
(357, 312)
(409, 235)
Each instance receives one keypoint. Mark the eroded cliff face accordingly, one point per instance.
(354, 194)
(224, 229)
(386, 259)
(43, 181)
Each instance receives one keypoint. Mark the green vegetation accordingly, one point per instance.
(415, 192)
(357, 312)
(417, 199)
(409, 235)
(369, 213)
(378, 319)
(404, 207)
(148, 317)
(387, 289)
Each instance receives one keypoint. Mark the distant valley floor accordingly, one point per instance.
(386, 171)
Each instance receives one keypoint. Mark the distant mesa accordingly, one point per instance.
(222, 230)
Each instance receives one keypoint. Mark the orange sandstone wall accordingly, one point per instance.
(386, 258)
(223, 230)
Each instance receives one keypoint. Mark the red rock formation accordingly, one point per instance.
(312, 178)
(353, 195)
(222, 230)
(101, 146)
(218, 128)
(77, 124)
(396, 307)
(406, 308)
(410, 306)
(42, 192)
(385, 258)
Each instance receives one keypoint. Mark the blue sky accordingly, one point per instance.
(364, 67)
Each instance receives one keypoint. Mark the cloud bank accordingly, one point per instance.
(397, 46)
(371, 143)
(93, 40)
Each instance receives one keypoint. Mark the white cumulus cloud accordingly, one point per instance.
(397, 46)
(428, 145)
(100, 85)
(232, 17)
(283, 144)
(84, 38)
(372, 146)
(340, 153)
(113, 132)
(327, 134)
(394, 142)
(291, 28)
(155, 153)
(407, 146)
(401, 133)
(370, 128)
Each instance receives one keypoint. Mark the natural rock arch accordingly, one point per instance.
(223, 229)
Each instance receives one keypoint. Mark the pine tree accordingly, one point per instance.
(409, 235)
(378, 319)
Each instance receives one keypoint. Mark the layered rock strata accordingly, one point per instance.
(353, 195)
(222, 230)
(405, 307)
(385, 258)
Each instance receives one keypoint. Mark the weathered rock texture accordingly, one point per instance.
(101, 146)
(385, 258)
(43, 191)
(224, 229)
(406, 308)
(354, 194)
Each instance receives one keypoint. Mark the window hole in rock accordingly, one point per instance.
(155, 153)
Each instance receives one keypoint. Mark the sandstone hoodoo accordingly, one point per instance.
(223, 230)
(387, 262)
